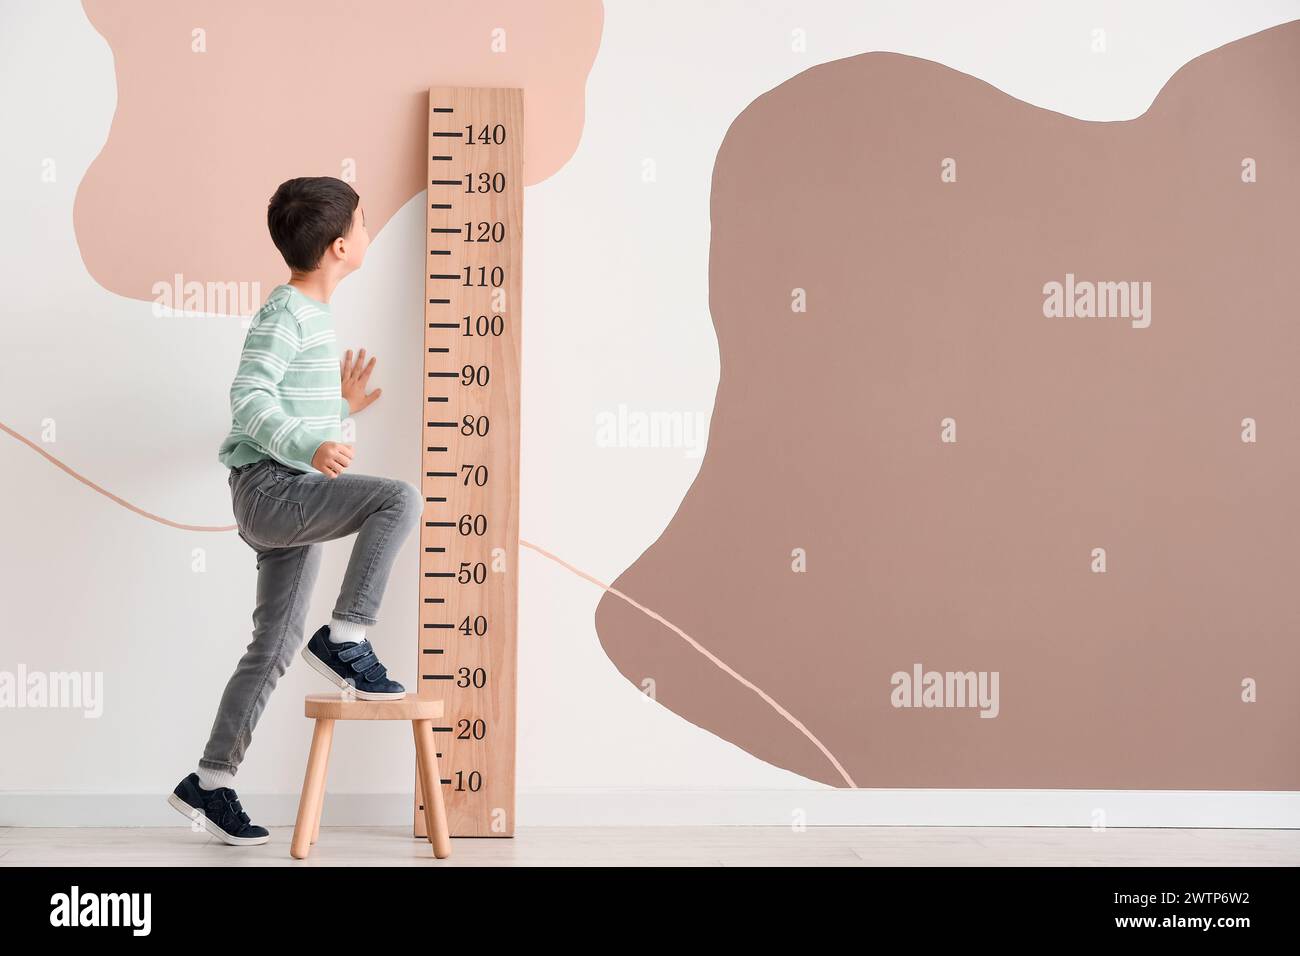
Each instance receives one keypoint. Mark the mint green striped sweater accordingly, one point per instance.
(285, 399)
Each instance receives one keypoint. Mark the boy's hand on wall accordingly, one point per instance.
(354, 377)
(331, 458)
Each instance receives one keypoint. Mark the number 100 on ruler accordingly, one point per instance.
(469, 451)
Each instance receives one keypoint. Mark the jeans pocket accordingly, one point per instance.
(275, 522)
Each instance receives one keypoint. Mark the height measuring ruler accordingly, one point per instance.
(469, 451)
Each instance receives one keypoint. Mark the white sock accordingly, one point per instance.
(214, 779)
(345, 632)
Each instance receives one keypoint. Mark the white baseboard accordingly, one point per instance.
(925, 808)
(817, 807)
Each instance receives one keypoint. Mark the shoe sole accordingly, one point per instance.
(187, 811)
(320, 667)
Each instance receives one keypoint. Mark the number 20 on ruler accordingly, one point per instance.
(469, 451)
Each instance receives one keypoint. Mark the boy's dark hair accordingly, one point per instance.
(306, 215)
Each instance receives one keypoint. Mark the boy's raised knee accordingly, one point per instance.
(412, 500)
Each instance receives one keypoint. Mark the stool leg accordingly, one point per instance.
(424, 787)
(313, 789)
(320, 804)
(435, 814)
(419, 779)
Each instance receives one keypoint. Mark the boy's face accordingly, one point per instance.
(351, 249)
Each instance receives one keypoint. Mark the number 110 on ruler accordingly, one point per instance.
(469, 451)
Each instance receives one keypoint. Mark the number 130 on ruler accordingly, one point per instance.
(469, 451)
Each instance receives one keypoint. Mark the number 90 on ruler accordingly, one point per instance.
(469, 451)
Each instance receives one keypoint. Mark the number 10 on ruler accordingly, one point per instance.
(469, 451)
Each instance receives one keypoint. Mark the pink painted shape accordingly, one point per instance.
(200, 140)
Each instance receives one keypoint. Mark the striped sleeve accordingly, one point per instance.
(273, 341)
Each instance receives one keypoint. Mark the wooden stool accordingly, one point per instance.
(327, 708)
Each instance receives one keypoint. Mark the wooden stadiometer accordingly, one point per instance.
(469, 536)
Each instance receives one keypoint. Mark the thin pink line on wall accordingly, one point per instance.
(709, 655)
(714, 659)
(108, 494)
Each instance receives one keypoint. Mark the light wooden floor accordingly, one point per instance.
(674, 846)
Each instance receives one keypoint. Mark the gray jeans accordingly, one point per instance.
(284, 514)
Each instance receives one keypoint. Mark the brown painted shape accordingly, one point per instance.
(200, 140)
(925, 300)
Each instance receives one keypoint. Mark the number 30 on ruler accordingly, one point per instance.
(469, 451)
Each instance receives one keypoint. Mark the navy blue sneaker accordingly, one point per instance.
(351, 666)
(217, 811)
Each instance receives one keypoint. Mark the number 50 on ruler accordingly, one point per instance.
(469, 451)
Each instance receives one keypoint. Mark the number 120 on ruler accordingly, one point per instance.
(469, 451)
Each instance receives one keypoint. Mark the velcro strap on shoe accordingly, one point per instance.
(350, 654)
(365, 664)
(225, 807)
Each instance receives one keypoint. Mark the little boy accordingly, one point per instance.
(290, 491)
